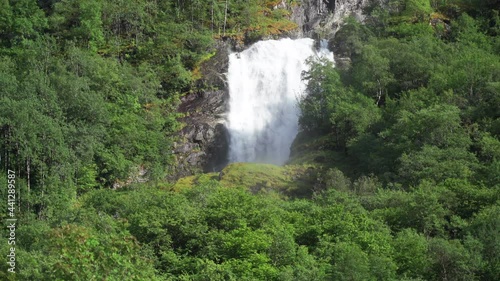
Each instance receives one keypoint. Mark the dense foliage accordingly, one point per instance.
(414, 108)
(89, 89)
(397, 171)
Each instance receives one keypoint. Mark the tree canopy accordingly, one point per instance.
(395, 174)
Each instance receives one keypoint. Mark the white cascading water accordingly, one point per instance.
(264, 85)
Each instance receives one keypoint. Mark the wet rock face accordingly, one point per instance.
(204, 141)
(323, 18)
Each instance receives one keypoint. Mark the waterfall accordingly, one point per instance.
(264, 85)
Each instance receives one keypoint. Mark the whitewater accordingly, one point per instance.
(264, 86)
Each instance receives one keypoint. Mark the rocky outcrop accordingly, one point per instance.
(204, 141)
(321, 19)
(308, 15)
(205, 137)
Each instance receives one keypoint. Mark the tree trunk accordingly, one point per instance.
(225, 18)
(379, 92)
(28, 168)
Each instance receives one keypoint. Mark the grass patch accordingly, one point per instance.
(288, 181)
(192, 181)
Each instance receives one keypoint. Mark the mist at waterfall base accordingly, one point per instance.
(265, 85)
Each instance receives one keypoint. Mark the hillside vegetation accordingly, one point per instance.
(394, 176)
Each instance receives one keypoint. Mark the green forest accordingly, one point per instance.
(395, 174)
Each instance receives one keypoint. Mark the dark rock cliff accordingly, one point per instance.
(321, 19)
(204, 140)
(205, 137)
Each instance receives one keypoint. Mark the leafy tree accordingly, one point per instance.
(417, 8)
(350, 263)
(410, 67)
(348, 113)
(432, 163)
(452, 261)
(410, 253)
(372, 74)
(20, 20)
(485, 227)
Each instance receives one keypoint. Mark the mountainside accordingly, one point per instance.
(110, 112)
